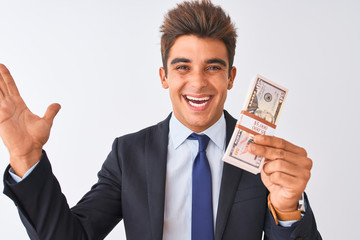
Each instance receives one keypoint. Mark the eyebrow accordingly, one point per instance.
(177, 60)
(217, 60)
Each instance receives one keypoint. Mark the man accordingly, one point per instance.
(148, 178)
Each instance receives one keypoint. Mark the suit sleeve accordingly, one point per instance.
(44, 210)
(305, 229)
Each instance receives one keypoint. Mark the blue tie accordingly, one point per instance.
(202, 226)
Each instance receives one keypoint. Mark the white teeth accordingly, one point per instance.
(193, 101)
(198, 99)
(197, 105)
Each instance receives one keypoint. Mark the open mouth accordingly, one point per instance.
(198, 102)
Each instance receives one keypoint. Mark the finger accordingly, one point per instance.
(2, 95)
(51, 112)
(3, 88)
(276, 142)
(287, 168)
(271, 153)
(287, 181)
(9, 81)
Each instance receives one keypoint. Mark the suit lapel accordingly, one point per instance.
(229, 184)
(156, 157)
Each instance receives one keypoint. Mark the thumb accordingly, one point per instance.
(51, 112)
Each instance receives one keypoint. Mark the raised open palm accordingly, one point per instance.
(23, 132)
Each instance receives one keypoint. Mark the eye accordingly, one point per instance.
(213, 67)
(182, 67)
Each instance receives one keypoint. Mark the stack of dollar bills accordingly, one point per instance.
(260, 115)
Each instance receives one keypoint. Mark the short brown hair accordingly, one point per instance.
(202, 19)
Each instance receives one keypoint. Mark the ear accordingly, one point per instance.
(231, 78)
(163, 78)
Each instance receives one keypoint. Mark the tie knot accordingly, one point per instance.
(203, 140)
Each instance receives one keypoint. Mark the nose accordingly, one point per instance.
(198, 79)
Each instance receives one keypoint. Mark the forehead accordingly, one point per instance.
(198, 49)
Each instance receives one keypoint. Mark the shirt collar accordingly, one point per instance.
(178, 132)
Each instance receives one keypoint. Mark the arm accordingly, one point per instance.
(44, 210)
(42, 207)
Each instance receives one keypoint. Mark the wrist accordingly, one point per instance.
(22, 163)
(289, 205)
(293, 215)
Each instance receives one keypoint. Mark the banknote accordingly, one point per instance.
(260, 115)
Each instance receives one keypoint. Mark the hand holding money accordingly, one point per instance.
(285, 172)
(285, 167)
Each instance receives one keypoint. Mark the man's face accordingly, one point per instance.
(198, 80)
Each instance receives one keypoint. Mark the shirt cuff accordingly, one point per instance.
(284, 219)
(18, 179)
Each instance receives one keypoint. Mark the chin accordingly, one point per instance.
(199, 124)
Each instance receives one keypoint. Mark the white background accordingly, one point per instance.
(100, 60)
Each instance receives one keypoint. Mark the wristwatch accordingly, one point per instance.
(301, 204)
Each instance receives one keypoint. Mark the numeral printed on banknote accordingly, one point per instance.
(259, 116)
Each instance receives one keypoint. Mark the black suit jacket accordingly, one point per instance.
(131, 187)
